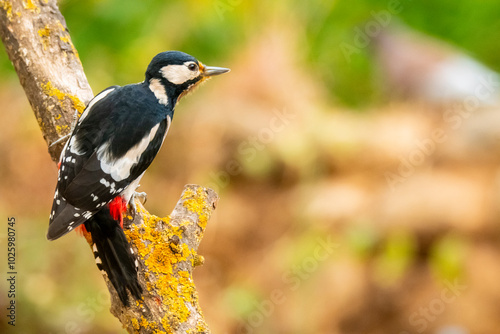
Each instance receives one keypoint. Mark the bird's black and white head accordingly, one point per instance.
(172, 74)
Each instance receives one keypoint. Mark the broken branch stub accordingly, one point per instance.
(166, 250)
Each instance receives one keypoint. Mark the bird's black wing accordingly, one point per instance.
(105, 153)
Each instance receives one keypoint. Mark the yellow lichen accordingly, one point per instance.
(197, 203)
(201, 327)
(158, 244)
(50, 90)
(7, 7)
(57, 30)
(165, 323)
(60, 129)
(64, 39)
(61, 26)
(145, 324)
(44, 34)
(64, 36)
(30, 5)
(135, 324)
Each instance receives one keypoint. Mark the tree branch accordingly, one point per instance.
(39, 46)
(166, 249)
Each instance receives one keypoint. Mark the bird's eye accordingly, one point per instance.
(193, 67)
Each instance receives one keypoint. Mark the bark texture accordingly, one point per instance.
(167, 254)
(39, 46)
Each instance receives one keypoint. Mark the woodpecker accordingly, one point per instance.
(114, 141)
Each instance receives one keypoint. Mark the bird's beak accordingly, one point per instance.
(210, 71)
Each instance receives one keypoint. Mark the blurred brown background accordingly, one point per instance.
(354, 148)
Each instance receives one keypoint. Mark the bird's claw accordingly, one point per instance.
(141, 196)
(59, 141)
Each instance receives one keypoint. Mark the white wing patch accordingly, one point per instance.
(130, 189)
(178, 74)
(74, 147)
(119, 169)
(159, 91)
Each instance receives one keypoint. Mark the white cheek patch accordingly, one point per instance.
(159, 91)
(178, 74)
(120, 169)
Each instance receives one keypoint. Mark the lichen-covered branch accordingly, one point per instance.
(167, 254)
(37, 42)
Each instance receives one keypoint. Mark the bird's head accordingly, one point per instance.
(172, 74)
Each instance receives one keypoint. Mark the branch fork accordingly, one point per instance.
(39, 46)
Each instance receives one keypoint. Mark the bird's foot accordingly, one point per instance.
(141, 196)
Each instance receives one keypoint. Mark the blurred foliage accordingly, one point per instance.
(469, 24)
(266, 225)
(120, 37)
(447, 257)
(116, 39)
(242, 300)
(362, 239)
(396, 256)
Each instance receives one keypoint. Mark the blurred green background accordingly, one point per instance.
(344, 203)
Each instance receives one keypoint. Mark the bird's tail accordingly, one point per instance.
(113, 254)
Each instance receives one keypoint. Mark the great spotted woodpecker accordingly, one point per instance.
(113, 143)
